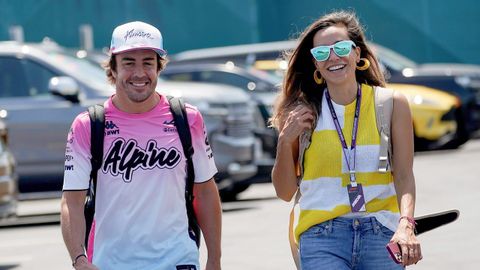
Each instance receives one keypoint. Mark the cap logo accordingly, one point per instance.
(140, 33)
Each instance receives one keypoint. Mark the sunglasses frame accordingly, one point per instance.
(330, 47)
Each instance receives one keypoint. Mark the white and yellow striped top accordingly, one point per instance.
(326, 175)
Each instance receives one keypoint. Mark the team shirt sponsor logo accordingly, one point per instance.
(125, 157)
(111, 128)
(208, 149)
(169, 126)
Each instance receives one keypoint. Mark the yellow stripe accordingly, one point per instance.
(369, 178)
(319, 156)
(323, 157)
(309, 218)
(389, 204)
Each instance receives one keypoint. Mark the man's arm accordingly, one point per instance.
(73, 226)
(209, 214)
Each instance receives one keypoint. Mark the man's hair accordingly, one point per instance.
(111, 65)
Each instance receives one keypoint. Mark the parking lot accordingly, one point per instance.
(255, 226)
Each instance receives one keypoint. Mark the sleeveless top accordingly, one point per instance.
(326, 175)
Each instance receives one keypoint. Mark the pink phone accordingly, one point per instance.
(395, 252)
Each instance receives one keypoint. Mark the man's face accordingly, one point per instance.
(136, 75)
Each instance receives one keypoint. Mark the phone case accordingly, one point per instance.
(395, 252)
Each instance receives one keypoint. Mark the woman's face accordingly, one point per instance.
(336, 70)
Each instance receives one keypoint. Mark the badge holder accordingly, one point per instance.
(355, 194)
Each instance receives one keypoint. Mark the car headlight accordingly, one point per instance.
(463, 80)
(421, 100)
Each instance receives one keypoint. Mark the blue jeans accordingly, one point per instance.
(346, 243)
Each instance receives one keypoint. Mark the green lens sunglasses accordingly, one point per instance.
(342, 49)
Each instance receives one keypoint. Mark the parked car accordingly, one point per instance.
(43, 88)
(457, 79)
(8, 176)
(434, 111)
(261, 86)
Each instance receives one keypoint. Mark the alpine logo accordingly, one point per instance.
(126, 157)
(111, 128)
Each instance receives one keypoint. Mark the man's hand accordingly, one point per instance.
(83, 264)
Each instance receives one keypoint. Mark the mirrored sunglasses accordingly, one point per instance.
(342, 49)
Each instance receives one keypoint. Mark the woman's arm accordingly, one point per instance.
(284, 176)
(404, 180)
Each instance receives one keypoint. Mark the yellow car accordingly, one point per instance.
(433, 113)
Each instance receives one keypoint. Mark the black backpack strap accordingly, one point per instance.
(177, 107)
(97, 133)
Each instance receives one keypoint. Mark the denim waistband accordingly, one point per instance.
(361, 223)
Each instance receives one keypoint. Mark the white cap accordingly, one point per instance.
(135, 36)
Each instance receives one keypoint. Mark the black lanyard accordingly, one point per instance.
(353, 149)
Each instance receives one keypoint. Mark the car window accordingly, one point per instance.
(183, 77)
(23, 78)
(38, 78)
(225, 78)
(392, 59)
(13, 80)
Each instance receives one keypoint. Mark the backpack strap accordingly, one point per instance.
(383, 112)
(97, 133)
(177, 108)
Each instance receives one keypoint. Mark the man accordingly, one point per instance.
(140, 216)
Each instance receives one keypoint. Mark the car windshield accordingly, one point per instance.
(84, 70)
(393, 59)
(266, 76)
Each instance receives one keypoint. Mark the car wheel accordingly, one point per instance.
(230, 194)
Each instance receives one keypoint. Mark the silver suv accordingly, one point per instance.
(43, 88)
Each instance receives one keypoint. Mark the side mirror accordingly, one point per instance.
(65, 87)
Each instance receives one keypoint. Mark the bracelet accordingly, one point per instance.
(76, 258)
(410, 220)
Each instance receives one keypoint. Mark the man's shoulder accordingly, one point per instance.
(82, 118)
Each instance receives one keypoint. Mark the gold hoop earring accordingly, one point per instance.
(366, 64)
(316, 78)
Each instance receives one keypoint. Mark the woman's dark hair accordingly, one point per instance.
(299, 85)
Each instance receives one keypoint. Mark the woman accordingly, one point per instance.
(348, 210)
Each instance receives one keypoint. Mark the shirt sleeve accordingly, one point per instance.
(203, 161)
(77, 155)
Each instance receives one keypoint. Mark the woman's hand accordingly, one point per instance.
(298, 120)
(405, 236)
(284, 172)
